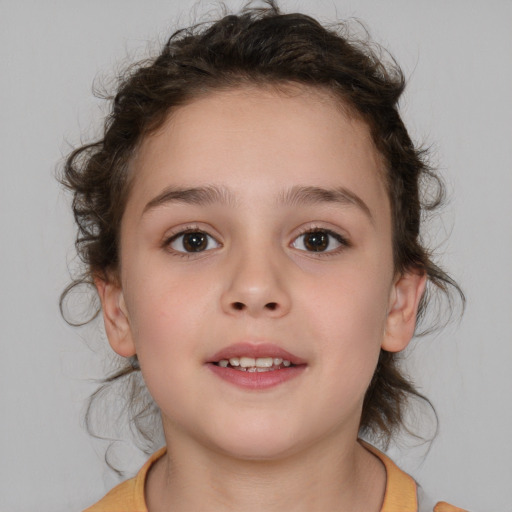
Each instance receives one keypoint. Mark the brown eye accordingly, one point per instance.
(319, 241)
(316, 241)
(193, 241)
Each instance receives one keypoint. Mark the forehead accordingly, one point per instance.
(260, 140)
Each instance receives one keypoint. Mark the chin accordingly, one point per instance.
(259, 452)
(257, 442)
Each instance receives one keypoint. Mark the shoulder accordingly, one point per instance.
(129, 495)
(121, 497)
(402, 492)
(446, 507)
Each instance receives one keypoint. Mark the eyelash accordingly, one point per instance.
(344, 243)
(187, 254)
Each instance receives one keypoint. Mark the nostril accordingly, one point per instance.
(241, 306)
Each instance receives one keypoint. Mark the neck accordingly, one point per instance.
(316, 479)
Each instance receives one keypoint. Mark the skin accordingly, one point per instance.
(294, 446)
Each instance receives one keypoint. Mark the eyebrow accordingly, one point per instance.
(303, 196)
(295, 196)
(209, 194)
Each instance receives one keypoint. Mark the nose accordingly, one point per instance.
(256, 286)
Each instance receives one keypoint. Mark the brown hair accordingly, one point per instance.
(260, 46)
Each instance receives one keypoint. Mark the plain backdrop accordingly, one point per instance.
(458, 57)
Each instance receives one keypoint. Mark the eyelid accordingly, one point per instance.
(180, 231)
(341, 239)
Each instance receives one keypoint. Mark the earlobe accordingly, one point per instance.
(403, 308)
(115, 317)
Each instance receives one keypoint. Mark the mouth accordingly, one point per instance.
(252, 364)
(256, 366)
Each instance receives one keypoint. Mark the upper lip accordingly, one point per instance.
(251, 349)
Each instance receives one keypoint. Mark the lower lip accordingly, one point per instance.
(257, 380)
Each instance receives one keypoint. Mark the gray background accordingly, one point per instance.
(458, 55)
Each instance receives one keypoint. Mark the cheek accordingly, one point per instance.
(354, 301)
(348, 318)
(165, 314)
(162, 299)
(162, 332)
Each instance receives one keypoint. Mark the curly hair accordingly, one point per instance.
(262, 47)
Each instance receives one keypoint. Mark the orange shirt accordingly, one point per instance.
(400, 496)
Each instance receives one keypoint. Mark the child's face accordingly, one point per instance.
(287, 247)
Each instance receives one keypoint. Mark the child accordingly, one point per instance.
(250, 220)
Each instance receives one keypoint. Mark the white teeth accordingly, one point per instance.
(246, 362)
(264, 362)
(251, 364)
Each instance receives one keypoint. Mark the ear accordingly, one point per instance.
(115, 316)
(405, 297)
